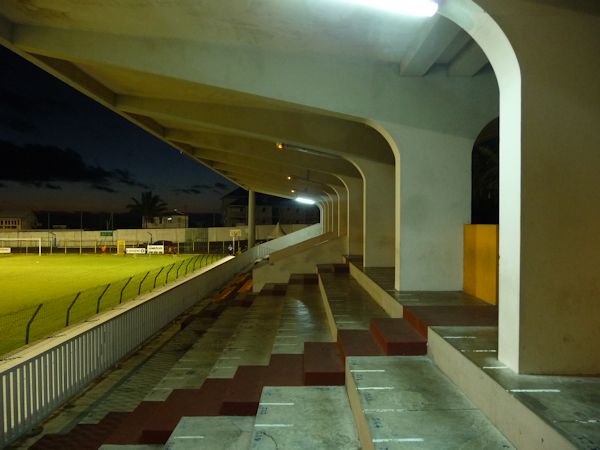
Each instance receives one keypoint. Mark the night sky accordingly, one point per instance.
(61, 151)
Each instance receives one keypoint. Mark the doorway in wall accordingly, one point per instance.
(481, 236)
(485, 175)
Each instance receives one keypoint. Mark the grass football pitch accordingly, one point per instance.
(30, 280)
(54, 280)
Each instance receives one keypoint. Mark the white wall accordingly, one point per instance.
(435, 199)
(215, 234)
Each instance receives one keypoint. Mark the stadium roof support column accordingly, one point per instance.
(342, 209)
(333, 207)
(327, 211)
(549, 191)
(251, 219)
(319, 205)
(379, 220)
(354, 197)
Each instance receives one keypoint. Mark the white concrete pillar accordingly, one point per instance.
(378, 212)
(321, 207)
(333, 209)
(251, 220)
(325, 215)
(554, 329)
(354, 195)
(549, 188)
(329, 214)
(342, 211)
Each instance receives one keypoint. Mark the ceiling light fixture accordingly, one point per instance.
(415, 8)
(289, 178)
(306, 201)
(280, 146)
(293, 191)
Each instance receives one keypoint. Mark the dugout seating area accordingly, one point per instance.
(314, 363)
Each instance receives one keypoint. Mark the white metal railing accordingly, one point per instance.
(36, 382)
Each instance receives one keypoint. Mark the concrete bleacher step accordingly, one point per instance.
(153, 422)
(406, 402)
(354, 259)
(285, 370)
(347, 305)
(244, 300)
(423, 317)
(206, 401)
(333, 268)
(243, 395)
(84, 436)
(303, 278)
(212, 433)
(275, 289)
(323, 364)
(304, 418)
(398, 337)
(358, 343)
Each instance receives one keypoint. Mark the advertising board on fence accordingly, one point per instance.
(156, 249)
(135, 251)
(4, 249)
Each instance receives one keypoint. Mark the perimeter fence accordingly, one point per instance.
(27, 325)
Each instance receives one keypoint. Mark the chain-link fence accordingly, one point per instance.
(30, 324)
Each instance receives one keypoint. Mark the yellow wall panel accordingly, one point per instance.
(480, 275)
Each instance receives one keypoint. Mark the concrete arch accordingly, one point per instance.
(499, 51)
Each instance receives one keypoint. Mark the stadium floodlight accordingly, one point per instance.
(306, 201)
(415, 8)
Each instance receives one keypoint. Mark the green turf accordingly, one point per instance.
(56, 280)
(29, 280)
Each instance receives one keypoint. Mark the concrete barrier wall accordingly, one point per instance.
(212, 234)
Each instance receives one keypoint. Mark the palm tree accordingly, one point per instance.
(148, 206)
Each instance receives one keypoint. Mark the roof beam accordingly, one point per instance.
(431, 44)
(6, 30)
(468, 62)
(294, 183)
(260, 185)
(260, 149)
(318, 133)
(258, 167)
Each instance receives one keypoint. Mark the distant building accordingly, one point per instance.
(171, 221)
(269, 210)
(17, 220)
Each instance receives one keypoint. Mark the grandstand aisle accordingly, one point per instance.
(269, 370)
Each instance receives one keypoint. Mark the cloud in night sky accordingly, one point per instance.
(45, 165)
(190, 190)
(217, 188)
(63, 151)
(103, 188)
(125, 177)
